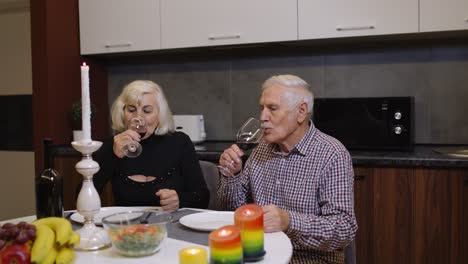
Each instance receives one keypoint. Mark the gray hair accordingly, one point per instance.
(299, 90)
(131, 95)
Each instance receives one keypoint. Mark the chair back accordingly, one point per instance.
(350, 253)
(211, 175)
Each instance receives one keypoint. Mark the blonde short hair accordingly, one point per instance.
(131, 95)
(299, 89)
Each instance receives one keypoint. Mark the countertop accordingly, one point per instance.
(420, 156)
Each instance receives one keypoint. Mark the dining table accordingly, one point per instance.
(277, 245)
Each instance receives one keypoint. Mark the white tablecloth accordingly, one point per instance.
(277, 246)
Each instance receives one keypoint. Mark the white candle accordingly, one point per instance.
(85, 104)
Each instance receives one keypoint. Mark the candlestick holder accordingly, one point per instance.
(89, 203)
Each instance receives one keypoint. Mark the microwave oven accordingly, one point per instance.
(370, 123)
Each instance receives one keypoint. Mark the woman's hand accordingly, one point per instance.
(169, 200)
(123, 139)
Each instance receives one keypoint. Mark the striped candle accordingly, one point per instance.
(226, 246)
(249, 219)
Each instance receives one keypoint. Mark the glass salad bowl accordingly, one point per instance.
(137, 233)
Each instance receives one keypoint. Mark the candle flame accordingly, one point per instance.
(248, 212)
(84, 63)
(194, 251)
(225, 232)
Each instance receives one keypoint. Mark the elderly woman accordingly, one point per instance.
(167, 172)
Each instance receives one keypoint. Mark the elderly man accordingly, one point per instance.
(302, 178)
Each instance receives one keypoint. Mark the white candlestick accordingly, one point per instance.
(85, 104)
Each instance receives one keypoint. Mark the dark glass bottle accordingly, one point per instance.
(49, 187)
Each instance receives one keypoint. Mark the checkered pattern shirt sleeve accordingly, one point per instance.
(314, 183)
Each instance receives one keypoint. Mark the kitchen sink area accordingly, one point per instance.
(457, 152)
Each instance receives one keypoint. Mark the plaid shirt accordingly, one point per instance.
(314, 183)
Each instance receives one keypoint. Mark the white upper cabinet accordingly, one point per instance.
(193, 23)
(108, 26)
(344, 18)
(441, 15)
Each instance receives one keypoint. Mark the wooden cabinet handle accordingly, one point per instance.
(359, 177)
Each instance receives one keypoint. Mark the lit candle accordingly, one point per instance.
(226, 245)
(85, 104)
(249, 219)
(193, 255)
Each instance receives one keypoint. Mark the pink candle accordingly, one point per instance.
(85, 104)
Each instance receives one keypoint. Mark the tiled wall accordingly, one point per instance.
(226, 88)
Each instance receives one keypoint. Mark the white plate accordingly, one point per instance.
(105, 211)
(207, 221)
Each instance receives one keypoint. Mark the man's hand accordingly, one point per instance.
(123, 139)
(275, 219)
(169, 200)
(231, 159)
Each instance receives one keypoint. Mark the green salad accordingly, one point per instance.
(137, 240)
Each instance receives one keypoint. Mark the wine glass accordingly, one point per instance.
(247, 138)
(134, 149)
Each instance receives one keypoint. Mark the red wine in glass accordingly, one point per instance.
(134, 149)
(247, 138)
(247, 146)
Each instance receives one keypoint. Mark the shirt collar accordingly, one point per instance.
(301, 147)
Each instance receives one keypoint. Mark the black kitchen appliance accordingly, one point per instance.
(371, 123)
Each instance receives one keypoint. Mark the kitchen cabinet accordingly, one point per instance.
(464, 221)
(115, 26)
(187, 23)
(442, 15)
(383, 207)
(109, 26)
(411, 215)
(339, 18)
(438, 224)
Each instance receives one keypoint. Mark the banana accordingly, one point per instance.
(43, 244)
(74, 239)
(61, 226)
(65, 255)
(51, 256)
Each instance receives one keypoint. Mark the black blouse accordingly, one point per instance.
(170, 158)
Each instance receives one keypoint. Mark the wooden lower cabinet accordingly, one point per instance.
(411, 215)
(438, 216)
(384, 212)
(464, 221)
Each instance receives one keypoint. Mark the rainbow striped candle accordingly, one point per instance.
(249, 219)
(226, 246)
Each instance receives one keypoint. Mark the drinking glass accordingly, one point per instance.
(134, 149)
(247, 138)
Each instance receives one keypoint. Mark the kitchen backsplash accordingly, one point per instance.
(225, 89)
